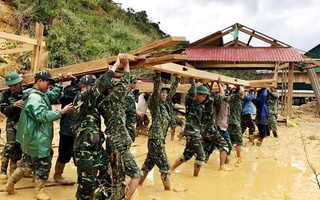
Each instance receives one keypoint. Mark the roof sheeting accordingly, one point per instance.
(241, 54)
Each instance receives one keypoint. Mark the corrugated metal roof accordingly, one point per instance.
(244, 54)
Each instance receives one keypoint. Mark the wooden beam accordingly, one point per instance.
(283, 66)
(198, 74)
(290, 90)
(17, 50)
(19, 38)
(254, 34)
(263, 83)
(148, 87)
(37, 48)
(167, 42)
(159, 60)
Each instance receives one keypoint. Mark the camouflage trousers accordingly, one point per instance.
(193, 148)
(156, 156)
(12, 149)
(246, 121)
(131, 127)
(41, 167)
(272, 122)
(211, 139)
(235, 134)
(88, 163)
(130, 165)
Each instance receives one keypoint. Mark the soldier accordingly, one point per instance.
(130, 106)
(160, 112)
(273, 106)
(118, 139)
(66, 133)
(11, 104)
(35, 132)
(142, 117)
(194, 110)
(234, 120)
(262, 114)
(87, 146)
(209, 132)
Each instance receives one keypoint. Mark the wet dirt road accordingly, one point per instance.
(276, 170)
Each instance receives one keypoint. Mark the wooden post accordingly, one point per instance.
(37, 48)
(290, 90)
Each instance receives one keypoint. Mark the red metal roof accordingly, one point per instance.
(244, 54)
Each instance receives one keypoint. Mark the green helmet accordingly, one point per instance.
(133, 79)
(12, 78)
(201, 89)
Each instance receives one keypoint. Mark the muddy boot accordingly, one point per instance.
(259, 141)
(4, 166)
(252, 138)
(207, 158)
(166, 181)
(39, 194)
(58, 174)
(14, 178)
(144, 176)
(196, 170)
(173, 131)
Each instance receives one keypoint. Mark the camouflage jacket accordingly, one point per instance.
(273, 103)
(194, 112)
(67, 121)
(88, 134)
(209, 112)
(235, 109)
(7, 99)
(113, 111)
(160, 111)
(131, 113)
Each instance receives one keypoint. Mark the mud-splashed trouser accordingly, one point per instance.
(246, 121)
(193, 148)
(211, 139)
(88, 163)
(65, 148)
(12, 149)
(235, 134)
(41, 166)
(156, 156)
(272, 122)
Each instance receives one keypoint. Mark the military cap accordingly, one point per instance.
(133, 79)
(44, 75)
(88, 80)
(12, 78)
(201, 89)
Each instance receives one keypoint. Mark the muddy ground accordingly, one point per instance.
(276, 170)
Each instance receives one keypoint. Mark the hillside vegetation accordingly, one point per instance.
(83, 30)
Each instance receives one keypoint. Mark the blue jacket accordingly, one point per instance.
(262, 109)
(247, 105)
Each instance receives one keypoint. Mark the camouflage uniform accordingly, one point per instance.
(12, 148)
(160, 113)
(209, 132)
(87, 147)
(113, 111)
(234, 119)
(131, 114)
(273, 106)
(194, 112)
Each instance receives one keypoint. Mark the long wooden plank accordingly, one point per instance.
(263, 83)
(19, 38)
(167, 42)
(17, 50)
(37, 48)
(148, 87)
(198, 74)
(259, 37)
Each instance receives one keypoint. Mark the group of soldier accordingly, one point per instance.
(29, 130)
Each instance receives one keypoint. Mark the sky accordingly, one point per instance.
(294, 22)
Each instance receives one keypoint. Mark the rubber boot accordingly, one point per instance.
(131, 188)
(14, 178)
(196, 170)
(144, 176)
(39, 194)
(4, 166)
(58, 174)
(166, 181)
